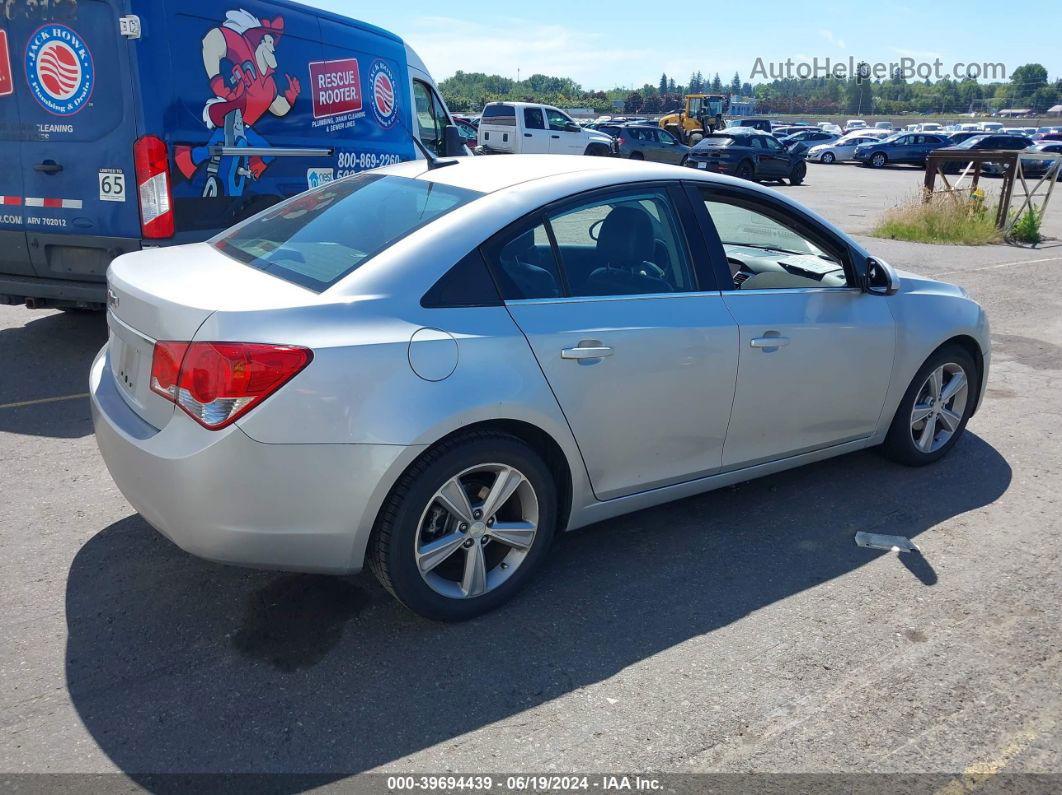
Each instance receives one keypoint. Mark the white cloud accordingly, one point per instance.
(918, 55)
(506, 45)
(828, 35)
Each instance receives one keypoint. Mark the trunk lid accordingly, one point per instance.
(166, 294)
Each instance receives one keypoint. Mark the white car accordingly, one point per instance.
(855, 124)
(842, 149)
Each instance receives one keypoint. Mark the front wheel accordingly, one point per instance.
(828, 157)
(935, 409)
(465, 528)
(878, 160)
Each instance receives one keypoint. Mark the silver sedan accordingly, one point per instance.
(434, 371)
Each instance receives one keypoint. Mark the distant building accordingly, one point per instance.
(1014, 113)
(742, 106)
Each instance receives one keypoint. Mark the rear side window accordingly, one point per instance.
(468, 283)
(318, 237)
(524, 263)
(501, 115)
(533, 119)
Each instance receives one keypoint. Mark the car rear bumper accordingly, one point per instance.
(222, 496)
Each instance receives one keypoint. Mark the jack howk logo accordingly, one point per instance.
(384, 90)
(59, 69)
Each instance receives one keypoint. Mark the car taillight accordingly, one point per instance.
(218, 382)
(153, 187)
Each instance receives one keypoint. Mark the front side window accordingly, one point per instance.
(767, 251)
(431, 117)
(770, 143)
(557, 121)
(318, 237)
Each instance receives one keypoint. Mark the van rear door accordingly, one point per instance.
(74, 96)
(14, 258)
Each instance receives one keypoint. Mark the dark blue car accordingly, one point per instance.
(907, 148)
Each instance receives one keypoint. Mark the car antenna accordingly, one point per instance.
(433, 160)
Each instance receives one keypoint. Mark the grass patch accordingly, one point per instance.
(945, 219)
(1027, 228)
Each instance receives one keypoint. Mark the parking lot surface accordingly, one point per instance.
(736, 631)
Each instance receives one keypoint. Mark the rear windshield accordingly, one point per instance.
(719, 140)
(500, 115)
(318, 237)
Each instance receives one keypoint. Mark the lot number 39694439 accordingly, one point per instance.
(112, 185)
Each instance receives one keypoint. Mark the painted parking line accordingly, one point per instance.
(999, 265)
(19, 404)
(979, 773)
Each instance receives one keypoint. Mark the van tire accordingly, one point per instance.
(597, 150)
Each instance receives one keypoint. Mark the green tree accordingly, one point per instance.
(717, 84)
(633, 103)
(662, 88)
(735, 85)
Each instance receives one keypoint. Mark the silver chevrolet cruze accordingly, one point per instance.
(435, 370)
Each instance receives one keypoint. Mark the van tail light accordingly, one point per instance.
(218, 382)
(153, 186)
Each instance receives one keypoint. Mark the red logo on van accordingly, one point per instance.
(336, 87)
(7, 84)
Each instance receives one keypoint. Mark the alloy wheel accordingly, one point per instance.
(476, 531)
(939, 407)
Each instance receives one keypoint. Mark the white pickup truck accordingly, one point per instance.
(526, 128)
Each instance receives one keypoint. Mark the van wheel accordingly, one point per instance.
(466, 527)
(597, 150)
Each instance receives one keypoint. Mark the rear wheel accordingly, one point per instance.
(800, 170)
(466, 526)
(637, 156)
(744, 170)
(935, 409)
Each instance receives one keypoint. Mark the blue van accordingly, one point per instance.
(133, 123)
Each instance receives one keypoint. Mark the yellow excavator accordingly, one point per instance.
(702, 114)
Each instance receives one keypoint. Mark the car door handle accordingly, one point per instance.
(769, 342)
(586, 353)
(554, 136)
(527, 135)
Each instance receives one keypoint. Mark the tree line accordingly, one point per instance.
(1028, 87)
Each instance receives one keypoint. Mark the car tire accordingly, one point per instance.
(637, 156)
(597, 150)
(914, 442)
(878, 160)
(828, 158)
(686, 162)
(414, 515)
(800, 170)
(745, 170)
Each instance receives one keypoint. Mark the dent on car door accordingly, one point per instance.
(642, 361)
(815, 350)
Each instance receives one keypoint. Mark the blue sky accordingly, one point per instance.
(629, 42)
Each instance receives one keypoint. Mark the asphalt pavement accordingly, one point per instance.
(741, 630)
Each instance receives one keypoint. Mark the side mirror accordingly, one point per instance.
(453, 142)
(880, 278)
(572, 127)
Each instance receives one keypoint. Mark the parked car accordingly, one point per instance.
(193, 119)
(840, 150)
(854, 124)
(962, 135)
(902, 148)
(1005, 142)
(883, 125)
(803, 140)
(530, 129)
(646, 142)
(782, 131)
(748, 154)
(360, 427)
(1050, 148)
